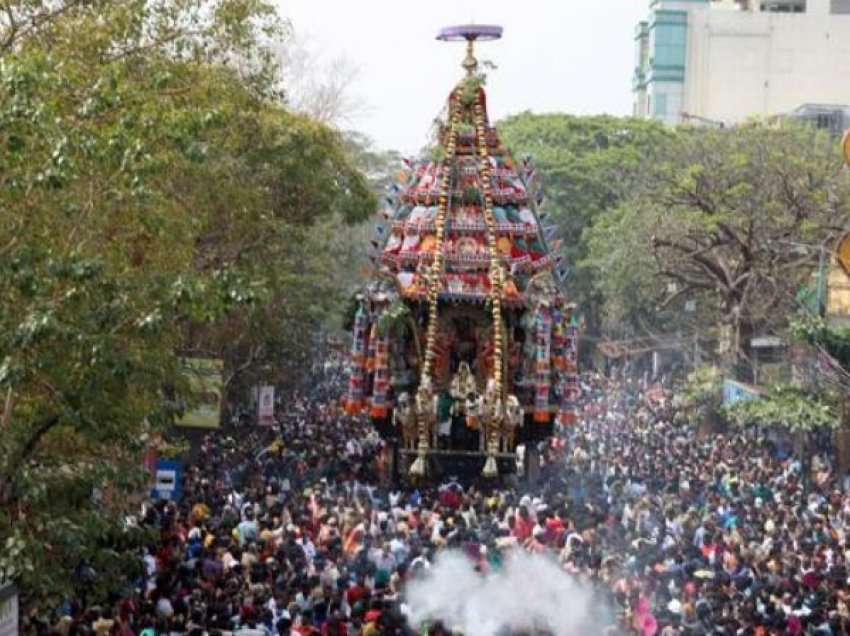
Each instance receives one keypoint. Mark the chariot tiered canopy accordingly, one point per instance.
(463, 341)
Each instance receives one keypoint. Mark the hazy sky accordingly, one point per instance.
(573, 56)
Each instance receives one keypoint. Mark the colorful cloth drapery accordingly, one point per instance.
(559, 341)
(542, 384)
(569, 385)
(355, 398)
(380, 385)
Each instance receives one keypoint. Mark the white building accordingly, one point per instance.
(727, 60)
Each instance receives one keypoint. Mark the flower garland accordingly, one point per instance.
(497, 272)
(418, 468)
(497, 279)
(438, 265)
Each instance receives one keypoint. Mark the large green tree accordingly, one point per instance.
(730, 219)
(587, 166)
(157, 202)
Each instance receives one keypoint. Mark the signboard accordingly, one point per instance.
(735, 391)
(766, 342)
(265, 409)
(168, 482)
(8, 610)
(204, 375)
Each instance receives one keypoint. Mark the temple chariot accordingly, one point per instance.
(464, 346)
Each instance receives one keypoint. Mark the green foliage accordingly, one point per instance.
(347, 244)
(156, 202)
(470, 86)
(393, 319)
(787, 407)
(711, 219)
(813, 330)
(587, 166)
(702, 390)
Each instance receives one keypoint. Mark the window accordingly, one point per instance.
(839, 7)
(669, 45)
(660, 105)
(823, 120)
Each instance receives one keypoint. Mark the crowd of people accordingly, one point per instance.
(295, 530)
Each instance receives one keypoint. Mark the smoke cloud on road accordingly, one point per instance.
(528, 593)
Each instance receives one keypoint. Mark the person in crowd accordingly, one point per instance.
(292, 530)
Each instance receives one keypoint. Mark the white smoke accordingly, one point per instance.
(529, 593)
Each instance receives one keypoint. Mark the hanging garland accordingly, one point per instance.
(496, 271)
(495, 296)
(438, 265)
(418, 468)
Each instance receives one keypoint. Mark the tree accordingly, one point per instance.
(157, 202)
(790, 408)
(730, 218)
(702, 391)
(587, 166)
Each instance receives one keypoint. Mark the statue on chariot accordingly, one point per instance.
(464, 345)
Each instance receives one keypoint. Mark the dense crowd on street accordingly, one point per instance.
(295, 529)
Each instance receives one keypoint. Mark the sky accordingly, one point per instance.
(573, 56)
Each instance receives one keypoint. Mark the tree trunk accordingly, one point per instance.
(842, 451)
(9, 481)
(732, 340)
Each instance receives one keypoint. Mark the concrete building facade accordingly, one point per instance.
(728, 60)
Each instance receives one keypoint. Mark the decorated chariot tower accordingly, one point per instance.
(464, 345)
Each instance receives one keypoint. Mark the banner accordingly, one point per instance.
(265, 412)
(204, 375)
(734, 391)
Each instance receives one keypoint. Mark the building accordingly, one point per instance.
(723, 61)
(831, 118)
